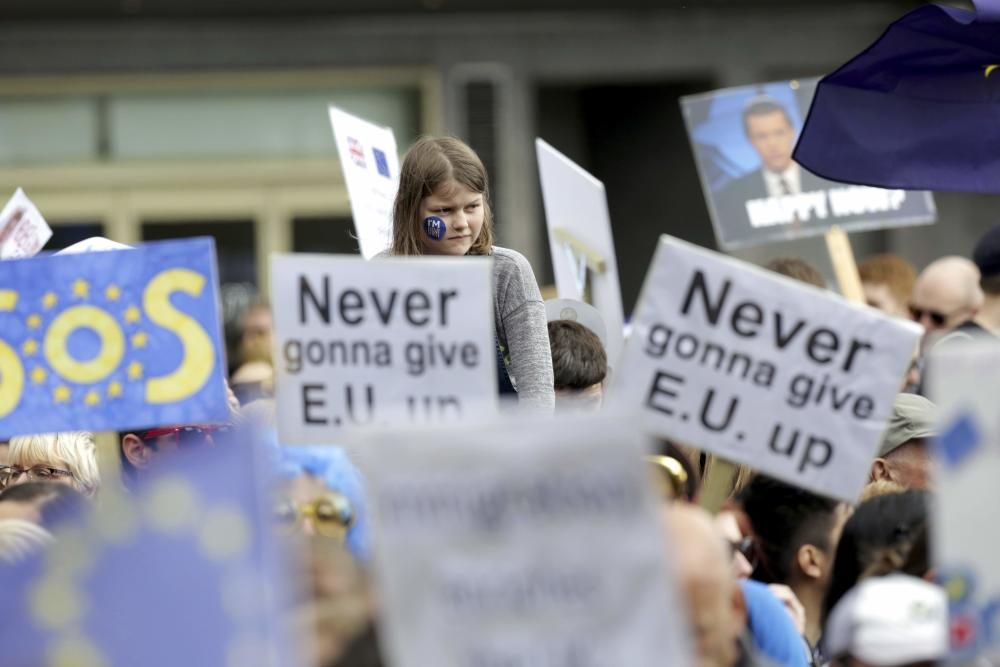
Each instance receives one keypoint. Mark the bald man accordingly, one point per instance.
(704, 572)
(947, 293)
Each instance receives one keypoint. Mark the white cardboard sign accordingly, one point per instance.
(397, 341)
(762, 370)
(370, 164)
(963, 384)
(522, 543)
(23, 230)
(576, 202)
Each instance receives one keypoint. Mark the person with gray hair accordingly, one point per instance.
(902, 456)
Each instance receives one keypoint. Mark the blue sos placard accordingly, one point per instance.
(111, 340)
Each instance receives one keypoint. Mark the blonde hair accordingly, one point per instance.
(73, 450)
(430, 163)
(19, 539)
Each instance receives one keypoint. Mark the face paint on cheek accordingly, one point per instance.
(435, 228)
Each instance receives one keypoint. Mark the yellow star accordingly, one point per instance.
(61, 394)
(139, 339)
(114, 389)
(132, 315)
(38, 375)
(29, 347)
(134, 370)
(112, 293)
(92, 398)
(49, 300)
(81, 288)
(34, 321)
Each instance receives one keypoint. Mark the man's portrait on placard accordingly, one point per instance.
(743, 140)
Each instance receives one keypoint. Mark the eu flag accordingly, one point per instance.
(183, 572)
(919, 109)
(111, 340)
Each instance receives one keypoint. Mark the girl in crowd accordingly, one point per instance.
(442, 208)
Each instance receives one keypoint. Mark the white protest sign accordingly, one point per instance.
(370, 164)
(763, 370)
(522, 543)
(393, 341)
(575, 202)
(964, 385)
(23, 230)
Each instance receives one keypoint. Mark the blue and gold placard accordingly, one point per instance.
(111, 340)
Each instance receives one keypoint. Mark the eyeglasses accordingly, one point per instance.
(331, 514)
(40, 473)
(672, 475)
(937, 318)
(189, 436)
(747, 548)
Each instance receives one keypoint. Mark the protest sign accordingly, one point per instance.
(743, 140)
(583, 249)
(111, 340)
(370, 164)
(521, 543)
(373, 343)
(963, 384)
(23, 230)
(184, 570)
(763, 370)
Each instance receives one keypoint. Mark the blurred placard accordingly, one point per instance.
(370, 164)
(23, 230)
(525, 543)
(964, 386)
(399, 341)
(111, 340)
(743, 140)
(576, 214)
(761, 369)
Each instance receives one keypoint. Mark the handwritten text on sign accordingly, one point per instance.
(763, 370)
(115, 340)
(371, 343)
(480, 561)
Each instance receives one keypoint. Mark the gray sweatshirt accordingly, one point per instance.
(521, 327)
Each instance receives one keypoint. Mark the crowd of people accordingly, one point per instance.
(779, 576)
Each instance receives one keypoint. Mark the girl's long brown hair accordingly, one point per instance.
(429, 163)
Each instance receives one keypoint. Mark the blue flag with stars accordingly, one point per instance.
(184, 572)
(111, 340)
(917, 110)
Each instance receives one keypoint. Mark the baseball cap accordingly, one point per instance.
(986, 254)
(913, 417)
(890, 621)
(578, 311)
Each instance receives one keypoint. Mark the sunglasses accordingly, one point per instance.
(189, 436)
(332, 514)
(936, 317)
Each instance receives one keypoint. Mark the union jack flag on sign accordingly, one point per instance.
(357, 152)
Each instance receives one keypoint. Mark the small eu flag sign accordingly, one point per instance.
(381, 163)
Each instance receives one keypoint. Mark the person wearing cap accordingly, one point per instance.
(903, 457)
(579, 365)
(891, 621)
